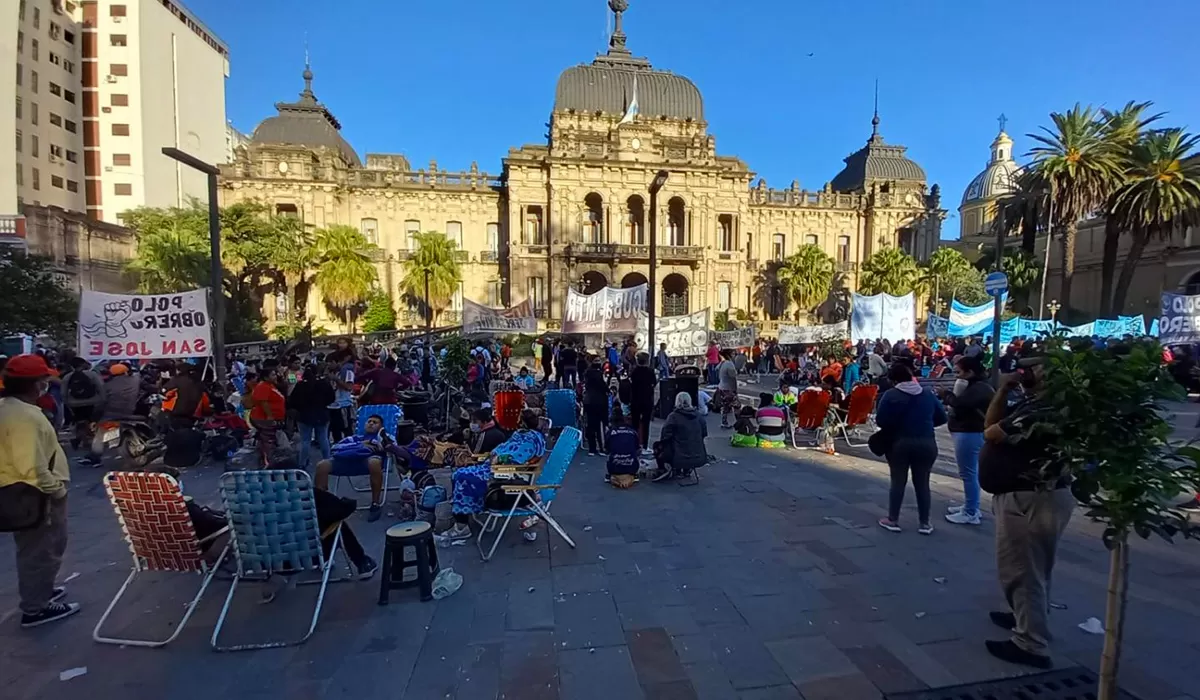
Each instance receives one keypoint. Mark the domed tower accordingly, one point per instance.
(308, 123)
(997, 180)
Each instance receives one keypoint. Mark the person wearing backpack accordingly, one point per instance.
(84, 394)
(34, 476)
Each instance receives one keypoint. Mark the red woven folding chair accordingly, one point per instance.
(161, 536)
(859, 410)
(811, 411)
(507, 408)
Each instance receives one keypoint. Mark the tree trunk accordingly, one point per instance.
(1108, 267)
(1029, 228)
(1068, 263)
(1114, 614)
(1132, 258)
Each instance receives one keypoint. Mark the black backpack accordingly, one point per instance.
(80, 386)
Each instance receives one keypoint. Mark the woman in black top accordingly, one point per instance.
(595, 407)
(967, 405)
(309, 403)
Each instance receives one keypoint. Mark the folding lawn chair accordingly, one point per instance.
(274, 530)
(161, 536)
(547, 483)
(507, 406)
(350, 467)
(560, 407)
(812, 408)
(858, 413)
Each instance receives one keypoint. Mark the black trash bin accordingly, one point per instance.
(666, 396)
(689, 383)
(416, 406)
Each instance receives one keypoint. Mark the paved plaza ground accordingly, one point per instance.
(770, 579)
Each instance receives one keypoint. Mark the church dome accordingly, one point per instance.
(876, 161)
(617, 78)
(305, 122)
(999, 178)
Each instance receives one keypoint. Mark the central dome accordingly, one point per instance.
(616, 78)
(999, 178)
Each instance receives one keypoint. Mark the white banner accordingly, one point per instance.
(1179, 321)
(806, 335)
(478, 318)
(608, 311)
(684, 335)
(736, 338)
(130, 326)
(883, 316)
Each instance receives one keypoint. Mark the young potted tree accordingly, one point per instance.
(1112, 424)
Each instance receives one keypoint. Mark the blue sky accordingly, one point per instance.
(464, 80)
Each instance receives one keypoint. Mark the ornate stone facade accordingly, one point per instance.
(575, 211)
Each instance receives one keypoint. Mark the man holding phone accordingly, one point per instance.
(1032, 504)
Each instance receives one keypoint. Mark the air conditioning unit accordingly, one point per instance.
(110, 78)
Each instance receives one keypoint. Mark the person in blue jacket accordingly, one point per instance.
(908, 414)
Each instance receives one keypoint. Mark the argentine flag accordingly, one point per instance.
(972, 320)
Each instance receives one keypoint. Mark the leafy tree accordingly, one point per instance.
(344, 270)
(949, 275)
(380, 316)
(806, 277)
(1115, 444)
(435, 253)
(172, 256)
(33, 299)
(1123, 128)
(720, 321)
(1080, 166)
(1024, 272)
(295, 261)
(1160, 196)
(889, 271)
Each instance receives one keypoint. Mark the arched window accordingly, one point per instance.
(1192, 286)
(592, 282)
(635, 218)
(593, 225)
(676, 222)
(674, 295)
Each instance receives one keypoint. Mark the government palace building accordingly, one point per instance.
(575, 211)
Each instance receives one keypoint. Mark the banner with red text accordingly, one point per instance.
(144, 326)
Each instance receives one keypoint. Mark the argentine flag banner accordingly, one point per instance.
(972, 320)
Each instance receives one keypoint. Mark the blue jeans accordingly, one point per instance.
(966, 454)
(304, 450)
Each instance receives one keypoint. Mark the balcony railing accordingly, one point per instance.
(847, 267)
(378, 255)
(489, 256)
(404, 254)
(752, 264)
(450, 317)
(541, 313)
(462, 256)
(608, 251)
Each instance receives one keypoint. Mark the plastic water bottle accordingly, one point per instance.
(446, 583)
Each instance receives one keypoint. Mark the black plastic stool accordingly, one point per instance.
(419, 536)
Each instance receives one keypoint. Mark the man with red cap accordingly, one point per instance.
(33, 490)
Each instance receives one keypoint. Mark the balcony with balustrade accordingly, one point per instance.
(620, 252)
(489, 256)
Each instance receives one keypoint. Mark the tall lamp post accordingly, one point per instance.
(216, 290)
(1053, 306)
(660, 179)
(428, 312)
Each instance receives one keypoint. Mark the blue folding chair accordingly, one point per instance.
(547, 484)
(274, 530)
(560, 407)
(357, 466)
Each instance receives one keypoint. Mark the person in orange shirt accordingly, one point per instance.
(267, 411)
(833, 369)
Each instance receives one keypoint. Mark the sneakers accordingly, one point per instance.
(460, 531)
(925, 529)
(951, 510)
(50, 613)
(963, 518)
(1003, 619)
(889, 525)
(374, 512)
(368, 568)
(57, 594)
(1014, 654)
(647, 452)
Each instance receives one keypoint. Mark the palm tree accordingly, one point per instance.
(293, 260)
(806, 278)
(1123, 128)
(1022, 211)
(344, 270)
(947, 269)
(1022, 269)
(1080, 166)
(170, 259)
(435, 254)
(889, 271)
(1161, 196)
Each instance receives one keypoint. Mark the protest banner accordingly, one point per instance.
(1180, 319)
(480, 319)
(136, 326)
(736, 338)
(807, 335)
(884, 316)
(608, 311)
(684, 335)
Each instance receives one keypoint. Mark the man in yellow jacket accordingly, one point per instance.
(30, 456)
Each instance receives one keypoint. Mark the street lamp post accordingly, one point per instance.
(216, 275)
(1053, 306)
(428, 312)
(660, 179)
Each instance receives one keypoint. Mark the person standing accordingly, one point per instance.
(641, 403)
(967, 405)
(384, 381)
(568, 368)
(1031, 511)
(662, 362)
(309, 402)
(267, 410)
(33, 466)
(341, 411)
(547, 362)
(712, 358)
(727, 388)
(595, 408)
(84, 394)
(908, 414)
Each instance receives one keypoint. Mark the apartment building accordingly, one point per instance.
(153, 76)
(40, 48)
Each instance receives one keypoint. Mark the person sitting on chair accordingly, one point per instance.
(681, 447)
(373, 445)
(837, 396)
(524, 379)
